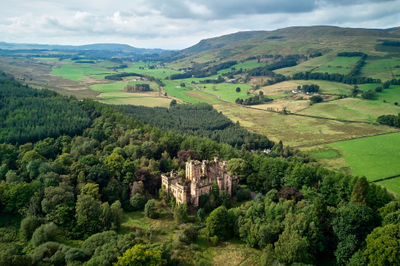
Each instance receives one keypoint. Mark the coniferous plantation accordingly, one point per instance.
(28, 115)
(199, 120)
(71, 178)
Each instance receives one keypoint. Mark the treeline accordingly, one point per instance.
(119, 76)
(334, 77)
(199, 71)
(389, 120)
(351, 54)
(312, 88)
(28, 114)
(390, 43)
(387, 83)
(356, 70)
(198, 120)
(137, 87)
(254, 100)
(288, 61)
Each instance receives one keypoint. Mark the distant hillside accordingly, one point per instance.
(292, 40)
(114, 47)
(394, 30)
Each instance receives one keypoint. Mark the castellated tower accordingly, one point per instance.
(199, 178)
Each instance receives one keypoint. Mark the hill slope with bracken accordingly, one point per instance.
(292, 40)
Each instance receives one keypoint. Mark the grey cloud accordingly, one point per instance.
(178, 23)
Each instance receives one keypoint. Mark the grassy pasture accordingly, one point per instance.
(392, 185)
(354, 109)
(296, 130)
(390, 95)
(188, 94)
(113, 93)
(327, 63)
(245, 65)
(47, 59)
(78, 72)
(306, 66)
(227, 91)
(325, 154)
(384, 69)
(145, 99)
(143, 68)
(120, 85)
(326, 87)
(339, 64)
(107, 63)
(374, 157)
(291, 104)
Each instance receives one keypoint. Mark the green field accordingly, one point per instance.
(227, 91)
(390, 95)
(113, 93)
(47, 59)
(188, 94)
(374, 157)
(306, 66)
(340, 65)
(78, 72)
(120, 85)
(328, 87)
(354, 109)
(144, 69)
(392, 185)
(134, 99)
(384, 69)
(325, 154)
(244, 66)
(295, 130)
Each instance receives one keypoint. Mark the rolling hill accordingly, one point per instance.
(292, 40)
(113, 47)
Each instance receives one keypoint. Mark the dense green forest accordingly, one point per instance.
(63, 199)
(199, 120)
(29, 115)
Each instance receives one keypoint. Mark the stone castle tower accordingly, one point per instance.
(199, 178)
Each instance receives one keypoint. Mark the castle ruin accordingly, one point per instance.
(199, 178)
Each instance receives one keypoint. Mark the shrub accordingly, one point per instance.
(97, 240)
(180, 213)
(141, 255)
(201, 214)
(44, 233)
(150, 209)
(219, 224)
(214, 240)
(316, 99)
(189, 234)
(75, 254)
(137, 202)
(243, 194)
(47, 252)
(29, 225)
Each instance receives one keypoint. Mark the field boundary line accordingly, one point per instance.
(385, 178)
(345, 139)
(311, 116)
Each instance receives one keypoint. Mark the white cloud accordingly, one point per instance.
(177, 23)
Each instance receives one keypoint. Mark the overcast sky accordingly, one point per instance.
(176, 24)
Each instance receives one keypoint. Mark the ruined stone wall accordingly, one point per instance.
(201, 176)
